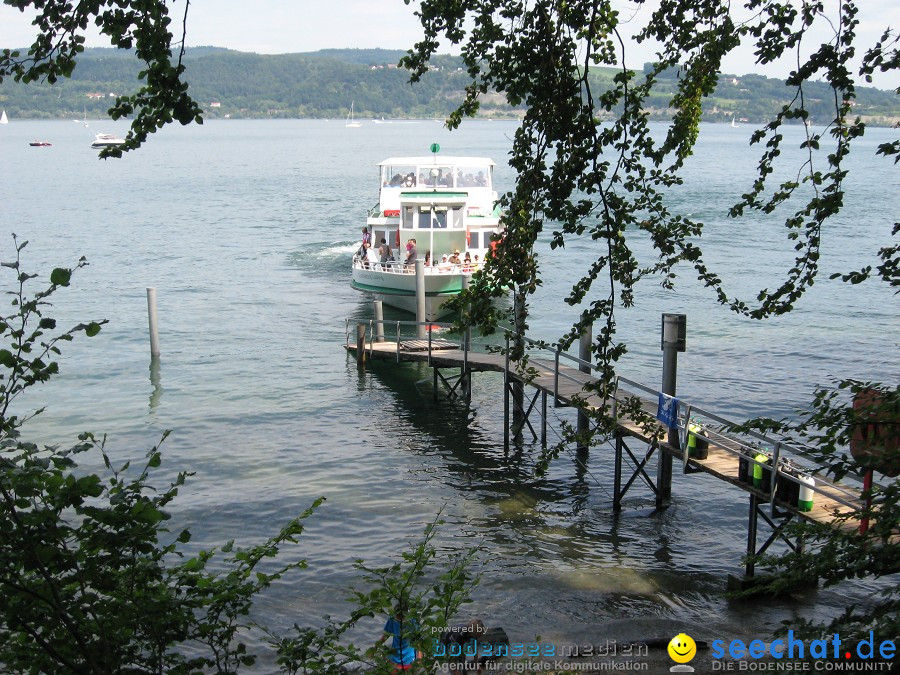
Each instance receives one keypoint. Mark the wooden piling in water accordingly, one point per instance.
(584, 354)
(154, 327)
(673, 341)
(379, 321)
(420, 299)
(360, 344)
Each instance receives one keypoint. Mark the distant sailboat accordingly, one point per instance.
(350, 120)
(732, 121)
(3, 118)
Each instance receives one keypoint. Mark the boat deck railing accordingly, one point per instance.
(787, 460)
(397, 267)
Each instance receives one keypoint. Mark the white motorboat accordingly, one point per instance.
(106, 141)
(448, 205)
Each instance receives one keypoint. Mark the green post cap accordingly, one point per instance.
(435, 148)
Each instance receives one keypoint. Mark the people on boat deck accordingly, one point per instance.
(454, 258)
(444, 265)
(371, 256)
(411, 253)
(467, 262)
(366, 255)
(366, 238)
(384, 252)
(427, 258)
(476, 263)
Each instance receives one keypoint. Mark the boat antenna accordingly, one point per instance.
(435, 149)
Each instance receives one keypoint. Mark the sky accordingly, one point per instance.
(290, 26)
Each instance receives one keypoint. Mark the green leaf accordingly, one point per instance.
(60, 276)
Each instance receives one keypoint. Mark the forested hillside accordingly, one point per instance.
(323, 84)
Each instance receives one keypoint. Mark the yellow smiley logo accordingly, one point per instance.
(682, 648)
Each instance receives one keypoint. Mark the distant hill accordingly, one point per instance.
(323, 84)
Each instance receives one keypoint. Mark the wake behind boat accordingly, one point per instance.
(449, 207)
(106, 141)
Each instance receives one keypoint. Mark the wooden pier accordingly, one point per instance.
(635, 442)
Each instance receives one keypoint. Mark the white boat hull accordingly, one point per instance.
(397, 288)
(106, 141)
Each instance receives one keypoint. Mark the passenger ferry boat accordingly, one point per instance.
(448, 205)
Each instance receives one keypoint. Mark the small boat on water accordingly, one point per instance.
(40, 144)
(448, 205)
(3, 118)
(106, 141)
(350, 121)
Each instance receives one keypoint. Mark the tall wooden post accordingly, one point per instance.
(673, 341)
(584, 353)
(518, 388)
(379, 321)
(154, 323)
(360, 344)
(466, 345)
(420, 299)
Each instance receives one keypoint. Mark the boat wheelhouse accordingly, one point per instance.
(449, 206)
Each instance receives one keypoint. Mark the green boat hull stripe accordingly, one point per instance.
(396, 291)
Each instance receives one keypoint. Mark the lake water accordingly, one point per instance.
(246, 229)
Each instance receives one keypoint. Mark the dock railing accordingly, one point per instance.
(784, 462)
(787, 458)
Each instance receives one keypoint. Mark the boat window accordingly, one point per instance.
(457, 217)
(440, 216)
(435, 176)
(398, 176)
(474, 176)
(408, 216)
(431, 217)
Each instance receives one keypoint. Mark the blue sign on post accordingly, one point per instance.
(667, 412)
